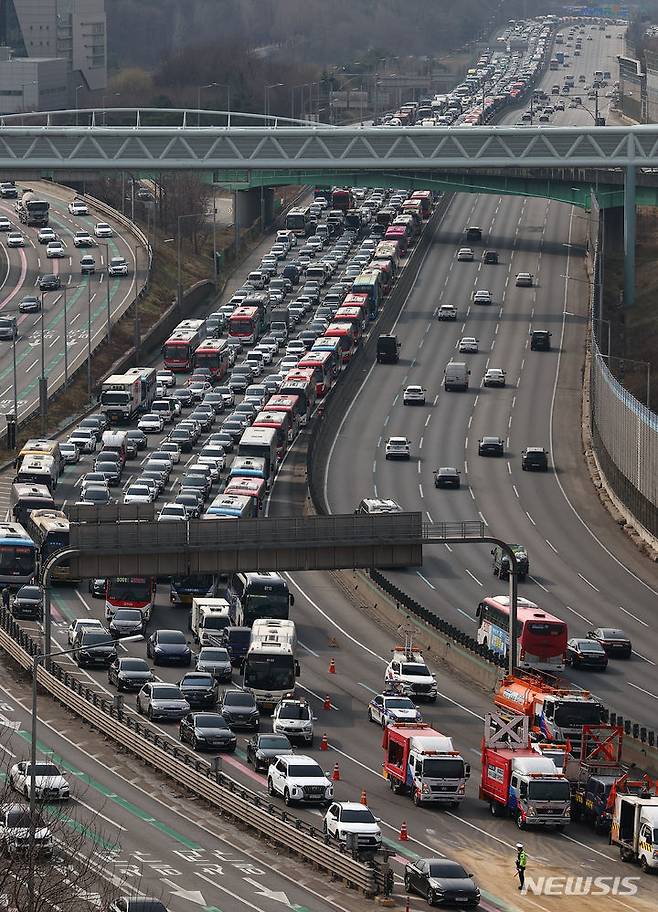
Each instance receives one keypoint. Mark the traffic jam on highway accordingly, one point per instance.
(219, 663)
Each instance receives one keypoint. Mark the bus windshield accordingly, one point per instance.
(176, 352)
(269, 672)
(242, 327)
(18, 560)
(132, 589)
(260, 604)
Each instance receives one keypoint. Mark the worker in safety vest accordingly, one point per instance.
(521, 862)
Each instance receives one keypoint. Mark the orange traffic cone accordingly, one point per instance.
(407, 907)
(335, 776)
(324, 745)
(363, 798)
(327, 702)
(404, 833)
(332, 667)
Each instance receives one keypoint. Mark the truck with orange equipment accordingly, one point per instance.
(554, 712)
(519, 782)
(421, 762)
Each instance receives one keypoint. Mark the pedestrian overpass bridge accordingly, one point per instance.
(248, 151)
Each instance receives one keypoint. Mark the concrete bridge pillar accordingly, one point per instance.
(629, 235)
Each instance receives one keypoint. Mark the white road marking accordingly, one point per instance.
(424, 579)
(588, 582)
(472, 576)
(634, 616)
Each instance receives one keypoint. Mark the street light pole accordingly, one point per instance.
(77, 89)
(13, 351)
(43, 380)
(179, 282)
(107, 290)
(274, 85)
(89, 338)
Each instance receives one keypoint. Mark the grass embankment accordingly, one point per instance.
(634, 331)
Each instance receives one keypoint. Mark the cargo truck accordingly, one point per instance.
(519, 782)
(422, 763)
(208, 618)
(635, 829)
(121, 397)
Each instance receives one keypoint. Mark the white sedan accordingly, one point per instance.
(103, 230)
(78, 207)
(15, 239)
(468, 345)
(49, 784)
(151, 423)
(139, 493)
(398, 448)
(482, 296)
(465, 255)
(84, 439)
(414, 395)
(166, 377)
(494, 377)
(55, 250)
(172, 512)
(86, 624)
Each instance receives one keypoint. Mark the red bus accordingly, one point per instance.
(213, 354)
(292, 406)
(389, 250)
(331, 345)
(322, 364)
(129, 592)
(280, 421)
(425, 197)
(244, 324)
(347, 335)
(353, 315)
(541, 638)
(341, 198)
(398, 233)
(179, 349)
(247, 487)
(301, 382)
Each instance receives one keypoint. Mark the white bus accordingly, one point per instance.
(270, 667)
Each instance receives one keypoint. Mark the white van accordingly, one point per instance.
(455, 376)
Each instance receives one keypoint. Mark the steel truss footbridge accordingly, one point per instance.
(249, 150)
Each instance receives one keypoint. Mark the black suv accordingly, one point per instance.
(490, 257)
(534, 459)
(91, 647)
(501, 562)
(540, 340)
(28, 603)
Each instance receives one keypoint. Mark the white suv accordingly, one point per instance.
(409, 675)
(398, 448)
(294, 719)
(345, 817)
(299, 779)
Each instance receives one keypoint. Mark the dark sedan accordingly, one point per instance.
(183, 438)
(207, 730)
(441, 882)
(446, 477)
(139, 437)
(127, 622)
(127, 673)
(199, 689)
(583, 653)
(169, 647)
(491, 446)
(262, 749)
(613, 640)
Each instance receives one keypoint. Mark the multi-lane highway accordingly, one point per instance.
(86, 297)
(581, 566)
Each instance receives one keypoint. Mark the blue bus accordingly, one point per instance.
(184, 588)
(18, 556)
(370, 284)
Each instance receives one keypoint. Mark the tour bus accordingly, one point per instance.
(178, 350)
(331, 345)
(241, 486)
(412, 221)
(300, 382)
(214, 355)
(292, 405)
(425, 197)
(341, 198)
(270, 667)
(398, 233)
(260, 442)
(130, 592)
(231, 506)
(541, 638)
(261, 300)
(300, 222)
(322, 364)
(26, 497)
(247, 467)
(38, 470)
(354, 316)
(385, 271)
(258, 595)
(281, 424)
(244, 324)
(49, 530)
(38, 446)
(347, 335)
(182, 589)
(18, 555)
(370, 284)
(390, 252)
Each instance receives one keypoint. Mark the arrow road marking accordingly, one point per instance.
(274, 895)
(194, 896)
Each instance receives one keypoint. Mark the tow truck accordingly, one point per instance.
(408, 674)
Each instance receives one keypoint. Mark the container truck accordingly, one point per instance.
(635, 829)
(121, 397)
(519, 782)
(422, 763)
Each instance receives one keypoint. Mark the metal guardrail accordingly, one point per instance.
(193, 773)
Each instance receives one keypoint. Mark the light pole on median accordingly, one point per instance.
(107, 289)
(179, 273)
(210, 85)
(89, 337)
(273, 85)
(77, 89)
(36, 661)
